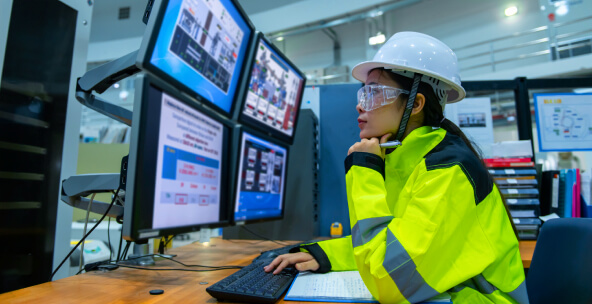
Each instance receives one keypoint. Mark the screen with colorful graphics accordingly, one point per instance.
(202, 45)
(261, 179)
(188, 165)
(274, 92)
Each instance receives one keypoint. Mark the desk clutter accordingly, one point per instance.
(566, 193)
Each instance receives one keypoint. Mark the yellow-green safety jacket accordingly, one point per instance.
(426, 220)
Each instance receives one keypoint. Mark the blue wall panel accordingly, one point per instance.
(339, 130)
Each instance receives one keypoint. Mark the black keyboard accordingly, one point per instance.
(252, 284)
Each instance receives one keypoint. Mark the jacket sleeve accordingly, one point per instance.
(421, 253)
(332, 255)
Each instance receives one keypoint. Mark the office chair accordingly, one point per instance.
(561, 267)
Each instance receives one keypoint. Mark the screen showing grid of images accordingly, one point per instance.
(274, 91)
(261, 179)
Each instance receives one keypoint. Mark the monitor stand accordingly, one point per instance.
(100, 79)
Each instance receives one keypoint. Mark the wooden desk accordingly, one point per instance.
(126, 285)
(526, 251)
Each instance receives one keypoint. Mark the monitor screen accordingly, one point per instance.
(275, 87)
(177, 166)
(261, 180)
(201, 46)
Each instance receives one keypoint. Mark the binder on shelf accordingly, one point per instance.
(576, 207)
(568, 191)
(549, 191)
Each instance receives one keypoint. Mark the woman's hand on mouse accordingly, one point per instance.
(370, 145)
(303, 261)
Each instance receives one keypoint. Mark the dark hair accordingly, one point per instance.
(434, 117)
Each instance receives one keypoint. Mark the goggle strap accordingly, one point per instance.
(408, 106)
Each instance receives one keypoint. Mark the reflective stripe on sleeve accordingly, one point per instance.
(403, 272)
(483, 285)
(366, 229)
(519, 294)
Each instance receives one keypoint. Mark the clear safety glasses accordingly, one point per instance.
(371, 97)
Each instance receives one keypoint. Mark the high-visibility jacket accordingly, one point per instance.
(426, 220)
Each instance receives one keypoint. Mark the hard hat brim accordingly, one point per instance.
(361, 71)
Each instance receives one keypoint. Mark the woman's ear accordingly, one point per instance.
(418, 104)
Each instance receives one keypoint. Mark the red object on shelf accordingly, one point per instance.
(508, 162)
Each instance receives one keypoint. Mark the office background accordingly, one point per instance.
(325, 40)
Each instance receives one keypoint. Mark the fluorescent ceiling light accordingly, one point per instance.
(280, 38)
(378, 39)
(583, 90)
(511, 11)
(562, 10)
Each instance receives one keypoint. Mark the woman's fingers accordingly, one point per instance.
(286, 260)
(308, 265)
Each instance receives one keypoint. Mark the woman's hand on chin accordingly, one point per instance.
(370, 145)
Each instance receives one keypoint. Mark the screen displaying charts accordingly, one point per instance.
(563, 121)
(202, 44)
(187, 187)
(274, 91)
(261, 179)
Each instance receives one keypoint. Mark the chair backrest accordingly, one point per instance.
(561, 267)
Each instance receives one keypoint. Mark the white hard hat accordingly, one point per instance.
(406, 53)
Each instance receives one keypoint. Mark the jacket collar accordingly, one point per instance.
(412, 150)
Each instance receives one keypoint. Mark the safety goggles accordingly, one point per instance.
(371, 97)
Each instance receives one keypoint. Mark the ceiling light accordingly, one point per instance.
(280, 38)
(511, 11)
(378, 39)
(562, 10)
(123, 94)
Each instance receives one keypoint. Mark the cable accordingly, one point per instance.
(127, 246)
(92, 198)
(179, 262)
(109, 240)
(84, 237)
(252, 232)
(119, 248)
(171, 269)
(252, 242)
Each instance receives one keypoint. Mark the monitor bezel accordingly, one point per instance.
(236, 187)
(138, 215)
(252, 122)
(149, 42)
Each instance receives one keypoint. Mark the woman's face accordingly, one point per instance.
(382, 120)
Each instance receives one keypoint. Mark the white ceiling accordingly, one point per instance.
(267, 15)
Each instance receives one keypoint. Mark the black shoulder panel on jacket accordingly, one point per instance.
(364, 159)
(452, 151)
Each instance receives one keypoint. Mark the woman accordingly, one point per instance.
(427, 217)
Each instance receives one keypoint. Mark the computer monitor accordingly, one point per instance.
(271, 102)
(178, 165)
(198, 46)
(260, 186)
